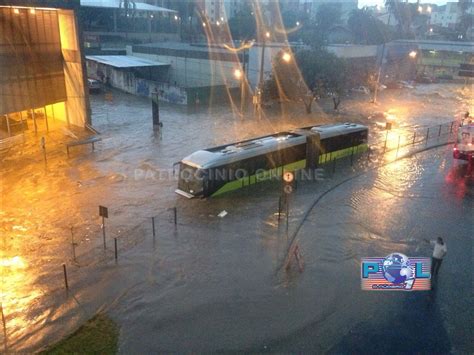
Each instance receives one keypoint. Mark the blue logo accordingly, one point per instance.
(396, 272)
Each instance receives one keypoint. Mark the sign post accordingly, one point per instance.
(288, 179)
(104, 213)
(43, 148)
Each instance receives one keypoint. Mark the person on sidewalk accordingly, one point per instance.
(439, 251)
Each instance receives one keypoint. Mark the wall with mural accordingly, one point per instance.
(126, 81)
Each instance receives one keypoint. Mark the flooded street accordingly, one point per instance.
(210, 283)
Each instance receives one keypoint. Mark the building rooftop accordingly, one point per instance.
(186, 50)
(124, 61)
(449, 46)
(195, 47)
(116, 4)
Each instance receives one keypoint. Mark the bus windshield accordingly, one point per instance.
(190, 179)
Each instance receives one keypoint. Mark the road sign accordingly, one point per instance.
(288, 176)
(288, 189)
(103, 212)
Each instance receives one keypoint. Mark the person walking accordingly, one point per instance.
(439, 251)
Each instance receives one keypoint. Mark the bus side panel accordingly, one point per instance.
(261, 168)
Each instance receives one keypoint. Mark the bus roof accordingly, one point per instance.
(208, 158)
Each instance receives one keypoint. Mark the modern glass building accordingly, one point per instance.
(42, 69)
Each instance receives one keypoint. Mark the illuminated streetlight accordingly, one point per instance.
(176, 17)
(413, 54)
(420, 9)
(267, 34)
(431, 30)
(238, 74)
(286, 57)
(297, 23)
(218, 23)
(203, 24)
(428, 9)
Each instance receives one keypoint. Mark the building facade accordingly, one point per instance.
(449, 15)
(311, 7)
(446, 16)
(42, 69)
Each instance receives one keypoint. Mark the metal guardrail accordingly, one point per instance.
(9, 142)
(420, 138)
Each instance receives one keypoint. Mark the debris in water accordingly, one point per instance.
(222, 214)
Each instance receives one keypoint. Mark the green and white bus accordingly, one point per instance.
(214, 171)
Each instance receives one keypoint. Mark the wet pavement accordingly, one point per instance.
(211, 283)
(391, 209)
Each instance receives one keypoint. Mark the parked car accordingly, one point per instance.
(378, 116)
(406, 84)
(426, 79)
(361, 89)
(445, 76)
(94, 85)
(394, 85)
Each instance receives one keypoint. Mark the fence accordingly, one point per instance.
(110, 246)
(379, 147)
(9, 142)
(381, 150)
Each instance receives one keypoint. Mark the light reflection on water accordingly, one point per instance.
(82, 189)
(17, 292)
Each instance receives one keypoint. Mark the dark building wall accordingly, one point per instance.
(31, 70)
(56, 4)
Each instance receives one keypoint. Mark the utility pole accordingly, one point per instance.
(376, 90)
(243, 83)
(262, 65)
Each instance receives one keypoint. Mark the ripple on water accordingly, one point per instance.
(399, 177)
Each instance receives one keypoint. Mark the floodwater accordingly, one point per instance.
(211, 283)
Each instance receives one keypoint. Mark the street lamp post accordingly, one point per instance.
(239, 75)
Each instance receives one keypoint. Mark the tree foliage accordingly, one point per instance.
(313, 74)
(464, 5)
(367, 29)
(466, 20)
(327, 16)
(405, 13)
(243, 25)
(315, 32)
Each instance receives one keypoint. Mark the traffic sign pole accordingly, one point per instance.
(103, 231)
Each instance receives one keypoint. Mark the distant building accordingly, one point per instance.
(446, 16)
(340, 35)
(311, 7)
(107, 24)
(219, 11)
(441, 57)
(449, 15)
(42, 70)
(180, 73)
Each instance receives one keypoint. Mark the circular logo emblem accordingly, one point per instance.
(397, 268)
(288, 176)
(288, 189)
